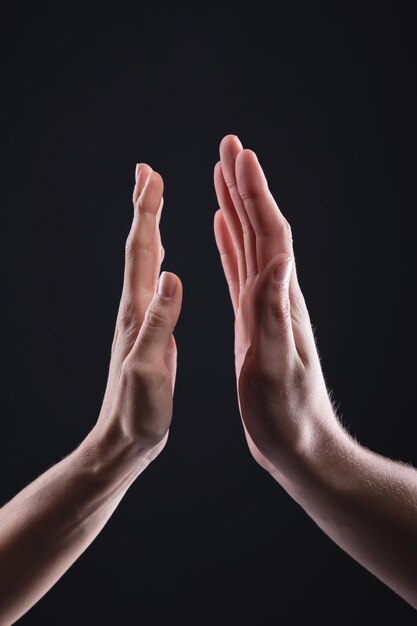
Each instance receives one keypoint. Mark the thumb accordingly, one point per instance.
(272, 309)
(160, 319)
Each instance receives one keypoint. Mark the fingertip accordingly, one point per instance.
(142, 168)
(156, 176)
(218, 215)
(218, 178)
(230, 138)
(218, 173)
(222, 234)
(142, 172)
(217, 222)
(226, 138)
(237, 140)
(178, 290)
(230, 147)
(154, 186)
(175, 278)
(249, 172)
(247, 155)
(167, 284)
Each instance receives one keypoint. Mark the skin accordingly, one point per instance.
(47, 525)
(366, 503)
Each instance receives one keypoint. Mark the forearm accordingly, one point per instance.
(366, 503)
(47, 525)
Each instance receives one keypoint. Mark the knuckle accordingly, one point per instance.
(156, 317)
(128, 369)
(232, 282)
(143, 372)
(251, 274)
(247, 228)
(251, 195)
(129, 319)
(135, 243)
(231, 184)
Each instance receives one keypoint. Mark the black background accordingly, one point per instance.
(326, 95)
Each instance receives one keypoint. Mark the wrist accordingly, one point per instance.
(323, 460)
(111, 456)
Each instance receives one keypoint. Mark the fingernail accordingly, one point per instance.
(167, 285)
(282, 273)
(137, 170)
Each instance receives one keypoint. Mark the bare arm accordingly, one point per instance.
(46, 526)
(366, 503)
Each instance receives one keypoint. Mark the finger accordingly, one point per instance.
(273, 235)
(228, 257)
(230, 147)
(232, 220)
(140, 270)
(142, 172)
(272, 322)
(158, 250)
(160, 319)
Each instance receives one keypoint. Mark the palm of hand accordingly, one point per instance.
(141, 380)
(245, 363)
(253, 237)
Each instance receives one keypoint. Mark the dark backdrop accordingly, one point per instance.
(326, 95)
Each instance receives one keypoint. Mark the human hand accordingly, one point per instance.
(284, 403)
(137, 406)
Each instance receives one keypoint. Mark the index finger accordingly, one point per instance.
(139, 277)
(272, 230)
